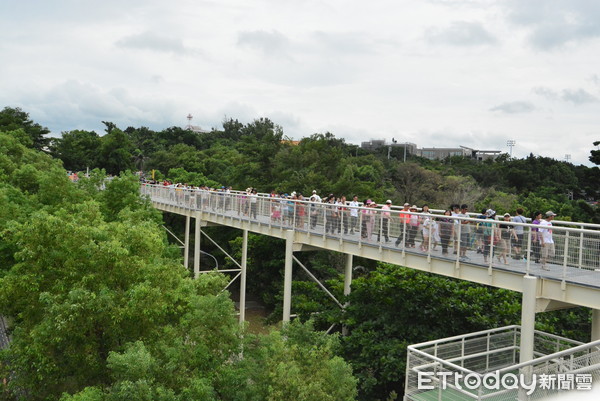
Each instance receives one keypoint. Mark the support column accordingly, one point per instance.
(243, 277)
(595, 324)
(287, 278)
(528, 318)
(197, 236)
(186, 243)
(527, 330)
(347, 284)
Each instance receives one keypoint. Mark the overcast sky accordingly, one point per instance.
(437, 73)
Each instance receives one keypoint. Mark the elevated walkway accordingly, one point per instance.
(573, 277)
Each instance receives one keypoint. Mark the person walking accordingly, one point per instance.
(519, 231)
(354, 213)
(506, 235)
(547, 240)
(385, 218)
(446, 230)
(465, 233)
(404, 217)
(413, 227)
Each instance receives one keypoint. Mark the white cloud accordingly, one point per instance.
(427, 72)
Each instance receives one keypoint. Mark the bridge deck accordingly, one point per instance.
(572, 278)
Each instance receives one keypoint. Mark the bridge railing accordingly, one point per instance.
(446, 365)
(485, 242)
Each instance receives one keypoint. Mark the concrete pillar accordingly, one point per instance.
(186, 243)
(347, 283)
(595, 324)
(197, 236)
(528, 318)
(243, 277)
(287, 278)
(348, 274)
(527, 330)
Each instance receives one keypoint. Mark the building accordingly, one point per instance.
(442, 153)
(375, 144)
(434, 153)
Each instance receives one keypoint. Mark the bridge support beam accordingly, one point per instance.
(595, 324)
(243, 277)
(347, 284)
(186, 243)
(527, 329)
(287, 278)
(197, 236)
(528, 318)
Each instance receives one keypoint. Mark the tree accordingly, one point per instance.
(393, 307)
(77, 149)
(14, 118)
(595, 154)
(116, 152)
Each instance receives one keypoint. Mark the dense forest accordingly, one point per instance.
(100, 307)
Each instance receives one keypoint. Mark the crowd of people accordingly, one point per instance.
(455, 228)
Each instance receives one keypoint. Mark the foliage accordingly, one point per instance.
(13, 119)
(595, 154)
(78, 149)
(100, 310)
(393, 307)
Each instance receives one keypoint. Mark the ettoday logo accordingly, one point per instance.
(507, 381)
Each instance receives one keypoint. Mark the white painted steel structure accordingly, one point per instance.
(572, 278)
(484, 352)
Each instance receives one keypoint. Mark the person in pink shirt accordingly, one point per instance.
(385, 218)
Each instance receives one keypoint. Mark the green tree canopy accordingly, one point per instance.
(13, 118)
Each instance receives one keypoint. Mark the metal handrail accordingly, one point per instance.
(581, 250)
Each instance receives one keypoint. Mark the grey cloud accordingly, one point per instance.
(546, 92)
(461, 33)
(77, 105)
(276, 44)
(151, 41)
(342, 42)
(318, 60)
(268, 43)
(514, 107)
(576, 96)
(595, 79)
(556, 23)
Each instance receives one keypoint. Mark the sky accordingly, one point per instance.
(437, 73)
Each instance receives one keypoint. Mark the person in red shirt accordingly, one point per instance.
(404, 217)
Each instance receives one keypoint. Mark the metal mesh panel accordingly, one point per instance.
(493, 353)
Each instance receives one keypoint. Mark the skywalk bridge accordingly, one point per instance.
(572, 277)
